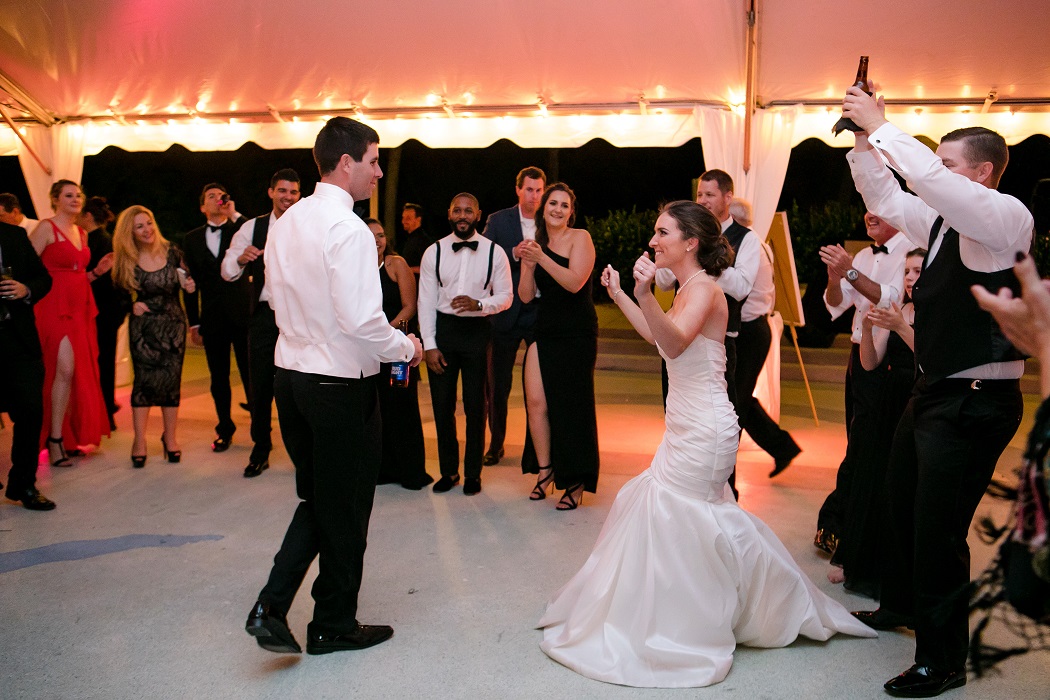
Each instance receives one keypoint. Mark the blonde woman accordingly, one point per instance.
(152, 269)
(74, 409)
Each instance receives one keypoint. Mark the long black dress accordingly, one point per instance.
(567, 340)
(404, 453)
(864, 529)
(158, 338)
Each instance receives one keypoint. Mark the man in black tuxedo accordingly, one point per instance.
(21, 362)
(508, 228)
(220, 318)
(416, 239)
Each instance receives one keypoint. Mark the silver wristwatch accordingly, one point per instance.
(852, 275)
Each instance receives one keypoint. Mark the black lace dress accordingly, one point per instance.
(567, 340)
(158, 338)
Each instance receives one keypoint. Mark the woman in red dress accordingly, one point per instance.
(74, 410)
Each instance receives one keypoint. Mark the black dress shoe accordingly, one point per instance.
(256, 468)
(471, 486)
(924, 682)
(270, 629)
(784, 461)
(418, 482)
(492, 457)
(362, 637)
(32, 499)
(883, 619)
(445, 483)
(221, 444)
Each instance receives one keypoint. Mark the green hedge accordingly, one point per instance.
(619, 238)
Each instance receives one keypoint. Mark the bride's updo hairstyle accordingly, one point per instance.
(713, 251)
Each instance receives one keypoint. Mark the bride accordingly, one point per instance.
(680, 574)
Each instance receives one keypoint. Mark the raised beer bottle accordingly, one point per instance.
(399, 372)
(844, 123)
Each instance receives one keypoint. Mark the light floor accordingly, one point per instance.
(138, 585)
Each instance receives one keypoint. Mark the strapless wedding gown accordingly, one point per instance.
(680, 574)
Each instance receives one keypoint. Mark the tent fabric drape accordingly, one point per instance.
(61, 148)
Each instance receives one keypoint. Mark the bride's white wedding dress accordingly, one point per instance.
(680, 574)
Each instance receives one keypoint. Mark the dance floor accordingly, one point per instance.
(138, 585)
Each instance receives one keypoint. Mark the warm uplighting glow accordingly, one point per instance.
(468, 98)
(433, 99)
(201, 105)
(661, 92)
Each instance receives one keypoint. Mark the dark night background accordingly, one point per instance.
(604, 177)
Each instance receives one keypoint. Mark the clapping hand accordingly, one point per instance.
(1024, 320)
(611, 281)
(105, 264)
(837, 259)
(644, 274)
(530, 252)
(891, 319)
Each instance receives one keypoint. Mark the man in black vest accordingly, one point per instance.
(967, 403)
(464, 278)
(220, 318)
(508, 228)
(21, 362)
(246, 254)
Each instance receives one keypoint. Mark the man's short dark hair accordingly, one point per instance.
(341, 135)
(981, 145)
(418, 209)
(372, 220)
(531, 172)
(212, 186)
(725, 182)
(284, 174)
(9, 202)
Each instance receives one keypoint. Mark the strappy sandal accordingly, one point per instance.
(571, 499)
(63, 459)
(173, 456)
(539, 492)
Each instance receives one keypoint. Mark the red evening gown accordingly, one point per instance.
(68, 311)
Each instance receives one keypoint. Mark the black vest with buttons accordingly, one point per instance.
(952, 332)
(735, 235)
(256, 269)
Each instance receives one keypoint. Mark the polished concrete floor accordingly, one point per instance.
(138, 585)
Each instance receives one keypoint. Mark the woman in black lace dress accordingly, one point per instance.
(149, 267)
(561, 443)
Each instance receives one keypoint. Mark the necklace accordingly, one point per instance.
(682, 285)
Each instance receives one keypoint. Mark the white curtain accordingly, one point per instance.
(61, 148)
(722, 138)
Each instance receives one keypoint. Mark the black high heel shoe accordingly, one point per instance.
(63, 458)
(539, 492)
(138, 461)
(173, 456)
(571, 499)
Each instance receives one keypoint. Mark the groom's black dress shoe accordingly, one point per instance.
(924, 682)
(883, 619)
(362, 637)
(445, 483)
(492, 457)
(270, 629)
(255, 468)
(32, 499)
(784, 461)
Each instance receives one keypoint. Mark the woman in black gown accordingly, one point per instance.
(404, 453)
(857, 559)
(561, 443)
(152, 269)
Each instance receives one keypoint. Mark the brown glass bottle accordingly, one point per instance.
(400, 375)
(844, 123)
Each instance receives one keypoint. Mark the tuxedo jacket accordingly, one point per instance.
(216, 303)
(504, 229)
(18, 336)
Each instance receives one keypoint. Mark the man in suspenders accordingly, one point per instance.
(967, 402)
(464, 279)
(246, 254)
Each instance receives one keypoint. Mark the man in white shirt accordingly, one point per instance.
(463, 279)
(324, 288)
(508, 228)
(11, 213)
(967, 403)
(874, 277)
(246, 253)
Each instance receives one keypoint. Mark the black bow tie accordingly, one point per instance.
(879, 249)
(216, 229)
(456, 247)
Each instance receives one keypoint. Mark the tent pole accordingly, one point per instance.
(749, 99)
(390, 220)
(23, 98)
(3, 113)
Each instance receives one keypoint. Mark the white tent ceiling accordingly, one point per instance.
(144, 74)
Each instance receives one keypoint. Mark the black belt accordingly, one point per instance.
(966, 384)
